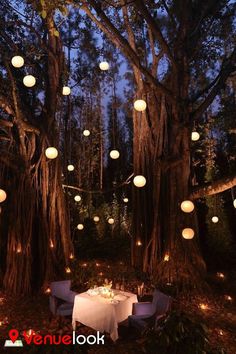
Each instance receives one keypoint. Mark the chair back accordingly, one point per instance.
(161, 302)
(61, 289)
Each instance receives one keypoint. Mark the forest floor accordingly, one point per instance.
(219, 314)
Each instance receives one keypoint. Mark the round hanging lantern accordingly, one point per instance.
(29, 81)
(77, 198)
(66, 90)
(140, 105)
(51, 152)
(111, 221)
(215, 219)
(195, 136)
(187, 206)
(80, 226)
(96, 218)
(70, 167)
(3, 195)
(17, 61)
(104, 65)
(139, 181)
(234, 203)
(188, 233)
(86, 132)
(125, 200)
(114, 154)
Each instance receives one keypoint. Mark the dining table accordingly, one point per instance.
(103, 314)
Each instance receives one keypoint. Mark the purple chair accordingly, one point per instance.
(149, 313)
(61, 300)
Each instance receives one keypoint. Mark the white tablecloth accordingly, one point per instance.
(102, 314)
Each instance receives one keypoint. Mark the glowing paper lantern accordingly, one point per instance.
(187, 206)
(3, 195)
(29, 81)
(111, 221)
(70, 167)
(195, 136)
(17, 61)
(96, 218)
(125, 200)
(66, 90)
(80, 226)
(139, 181)
(188, 233)
(114, 154)
(86, 132)
(104, 65)
(140, 105)
(77, 198)
(51, 153)
(234, 203)
(215, 219)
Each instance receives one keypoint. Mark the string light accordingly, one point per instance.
(68, 270)
(3, 195)
(29, 81)
(166, 257)
(17, 61)
(51, 153)
(71, 256)
(96, 218)
(228, 298)
(111, 221)
(140, 105)
(125, 200)
(220, 275)
(139, 243)
(203, 306)
(195, 136)
(48, 291)
(114, 154)
(234, 203)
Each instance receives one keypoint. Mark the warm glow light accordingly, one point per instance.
(71, 256)
(77, 198)
(139, 181)
(111, 221)
(139, 243)
(84, 265)
(17, 61)
(215, 219)
(220, 275)
(51, 153)
(86, 132)
(18, 250)
(188, 233)
(97, 265)
(51, 244)
(80, 226)
(234, 203)
(65, 90)
(29, 81)
(48, 291)
(70, 167)
(68, 270)
(221, 333)
(3, 195)
(96, 218)
(203, 306)
(167, 257)
(229, 298)
(195, 136)
(101, 273)
(104, 65)
(187, 206)
(125, 200)
(140, 105)
(114, 154)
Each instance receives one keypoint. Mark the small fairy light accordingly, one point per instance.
(51, 153)
(104, 65)
(215, 219)
(48, 291)
(66, 90)
(68, 270)
(86, 132)
(139, 243)
(51, 244)
(101, 273)
(108, 266)
(70, 168)
(72, 256)
(220, 275)
(166, 257)
(187, 206)
(17, 61)
(3, 195)
(77, 198)
(203, 306)
(234, 203)
(228, 298)
(114, 154)
(125, 200)
(139, 181)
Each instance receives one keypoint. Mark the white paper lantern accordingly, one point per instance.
(187, 206)
(29, 81)
(96, 218)
(234, 203)
(140, 105)
(215, 219)
(114, 154)
(195, 136)
(80, 226)
(139, 181)
(51, 153)
(111, 221)
(77, 198)
(3, 195)
(188, 233)
(17, 61)
(125, 200)
(66, 90)
(70, 167)
(86, 132)
(104, 65)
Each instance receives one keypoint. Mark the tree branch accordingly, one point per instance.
(216, 187)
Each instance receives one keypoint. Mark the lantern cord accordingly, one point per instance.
(127, 181)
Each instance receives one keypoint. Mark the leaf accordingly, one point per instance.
(56, 33)
(44, 14)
